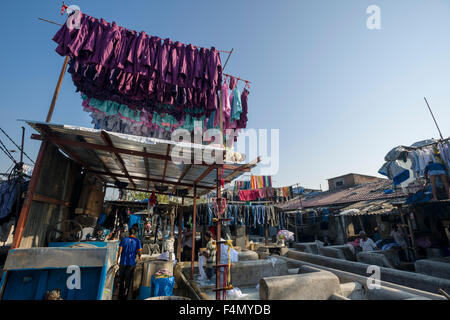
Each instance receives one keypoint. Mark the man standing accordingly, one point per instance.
(128, 249)
(210, 254)
(187, 244)
(399, 238)
(366, 243)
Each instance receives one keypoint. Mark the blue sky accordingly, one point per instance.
(341, 95)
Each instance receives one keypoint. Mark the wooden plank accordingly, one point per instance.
(50, 200)
(166, 162)
(121, 164)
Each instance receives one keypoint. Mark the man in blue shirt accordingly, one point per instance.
(434, 170)
(128, 249)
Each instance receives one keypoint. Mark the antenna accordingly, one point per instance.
(442, 138)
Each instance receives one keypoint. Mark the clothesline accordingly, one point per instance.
(237, 78)
(59, 24)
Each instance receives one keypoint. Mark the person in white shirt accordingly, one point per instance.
(366, 243)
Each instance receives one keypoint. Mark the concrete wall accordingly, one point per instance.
(378, 258)
(248, 273)
(404, 278)
(308, 247)
(438, 267)
(338, 252)
(319, 285)
(354, 286)
(246, 255)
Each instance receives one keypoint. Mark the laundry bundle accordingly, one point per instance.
(404, 165)
(139, 84)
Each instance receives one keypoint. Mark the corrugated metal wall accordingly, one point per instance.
(58, 177)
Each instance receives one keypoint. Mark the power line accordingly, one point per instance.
(5, 150)
(20, 149)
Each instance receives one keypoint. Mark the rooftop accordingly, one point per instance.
(364, 192)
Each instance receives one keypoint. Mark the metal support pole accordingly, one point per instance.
(58, 86)
(180, 230)
(218, 235)
(22, 145)
(194, 231)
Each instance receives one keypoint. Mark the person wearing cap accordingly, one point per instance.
(366, 243)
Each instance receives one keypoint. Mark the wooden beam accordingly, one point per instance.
(143, 190)
(204, 174)
(166, 162)
(183, 174)
(150, 179)
(107, 139)
(147, 169)
(50, 200)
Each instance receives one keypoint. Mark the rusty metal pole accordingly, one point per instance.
(180, 230)
(58, 86)
(194, 230)
(218, 235)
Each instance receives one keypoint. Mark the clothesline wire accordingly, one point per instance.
(237, 78)
(20, 149)
(59, 24)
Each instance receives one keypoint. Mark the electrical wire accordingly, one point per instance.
(5, 150)
(20, 149)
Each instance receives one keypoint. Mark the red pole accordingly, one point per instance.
(180, 230)
(219, 216)
(194, 230)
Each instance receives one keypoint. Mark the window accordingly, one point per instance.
(339, 183)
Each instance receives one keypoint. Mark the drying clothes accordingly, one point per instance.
(236, 106)
(131, 68)
(248, 195)
(8, 195)
(242, 121)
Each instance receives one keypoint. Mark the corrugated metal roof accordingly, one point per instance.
(368, 191)
(104, 152)
(369, 207)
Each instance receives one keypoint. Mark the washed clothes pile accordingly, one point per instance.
(140, 72)
(409, 163)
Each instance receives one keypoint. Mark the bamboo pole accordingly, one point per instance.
(56, 93)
